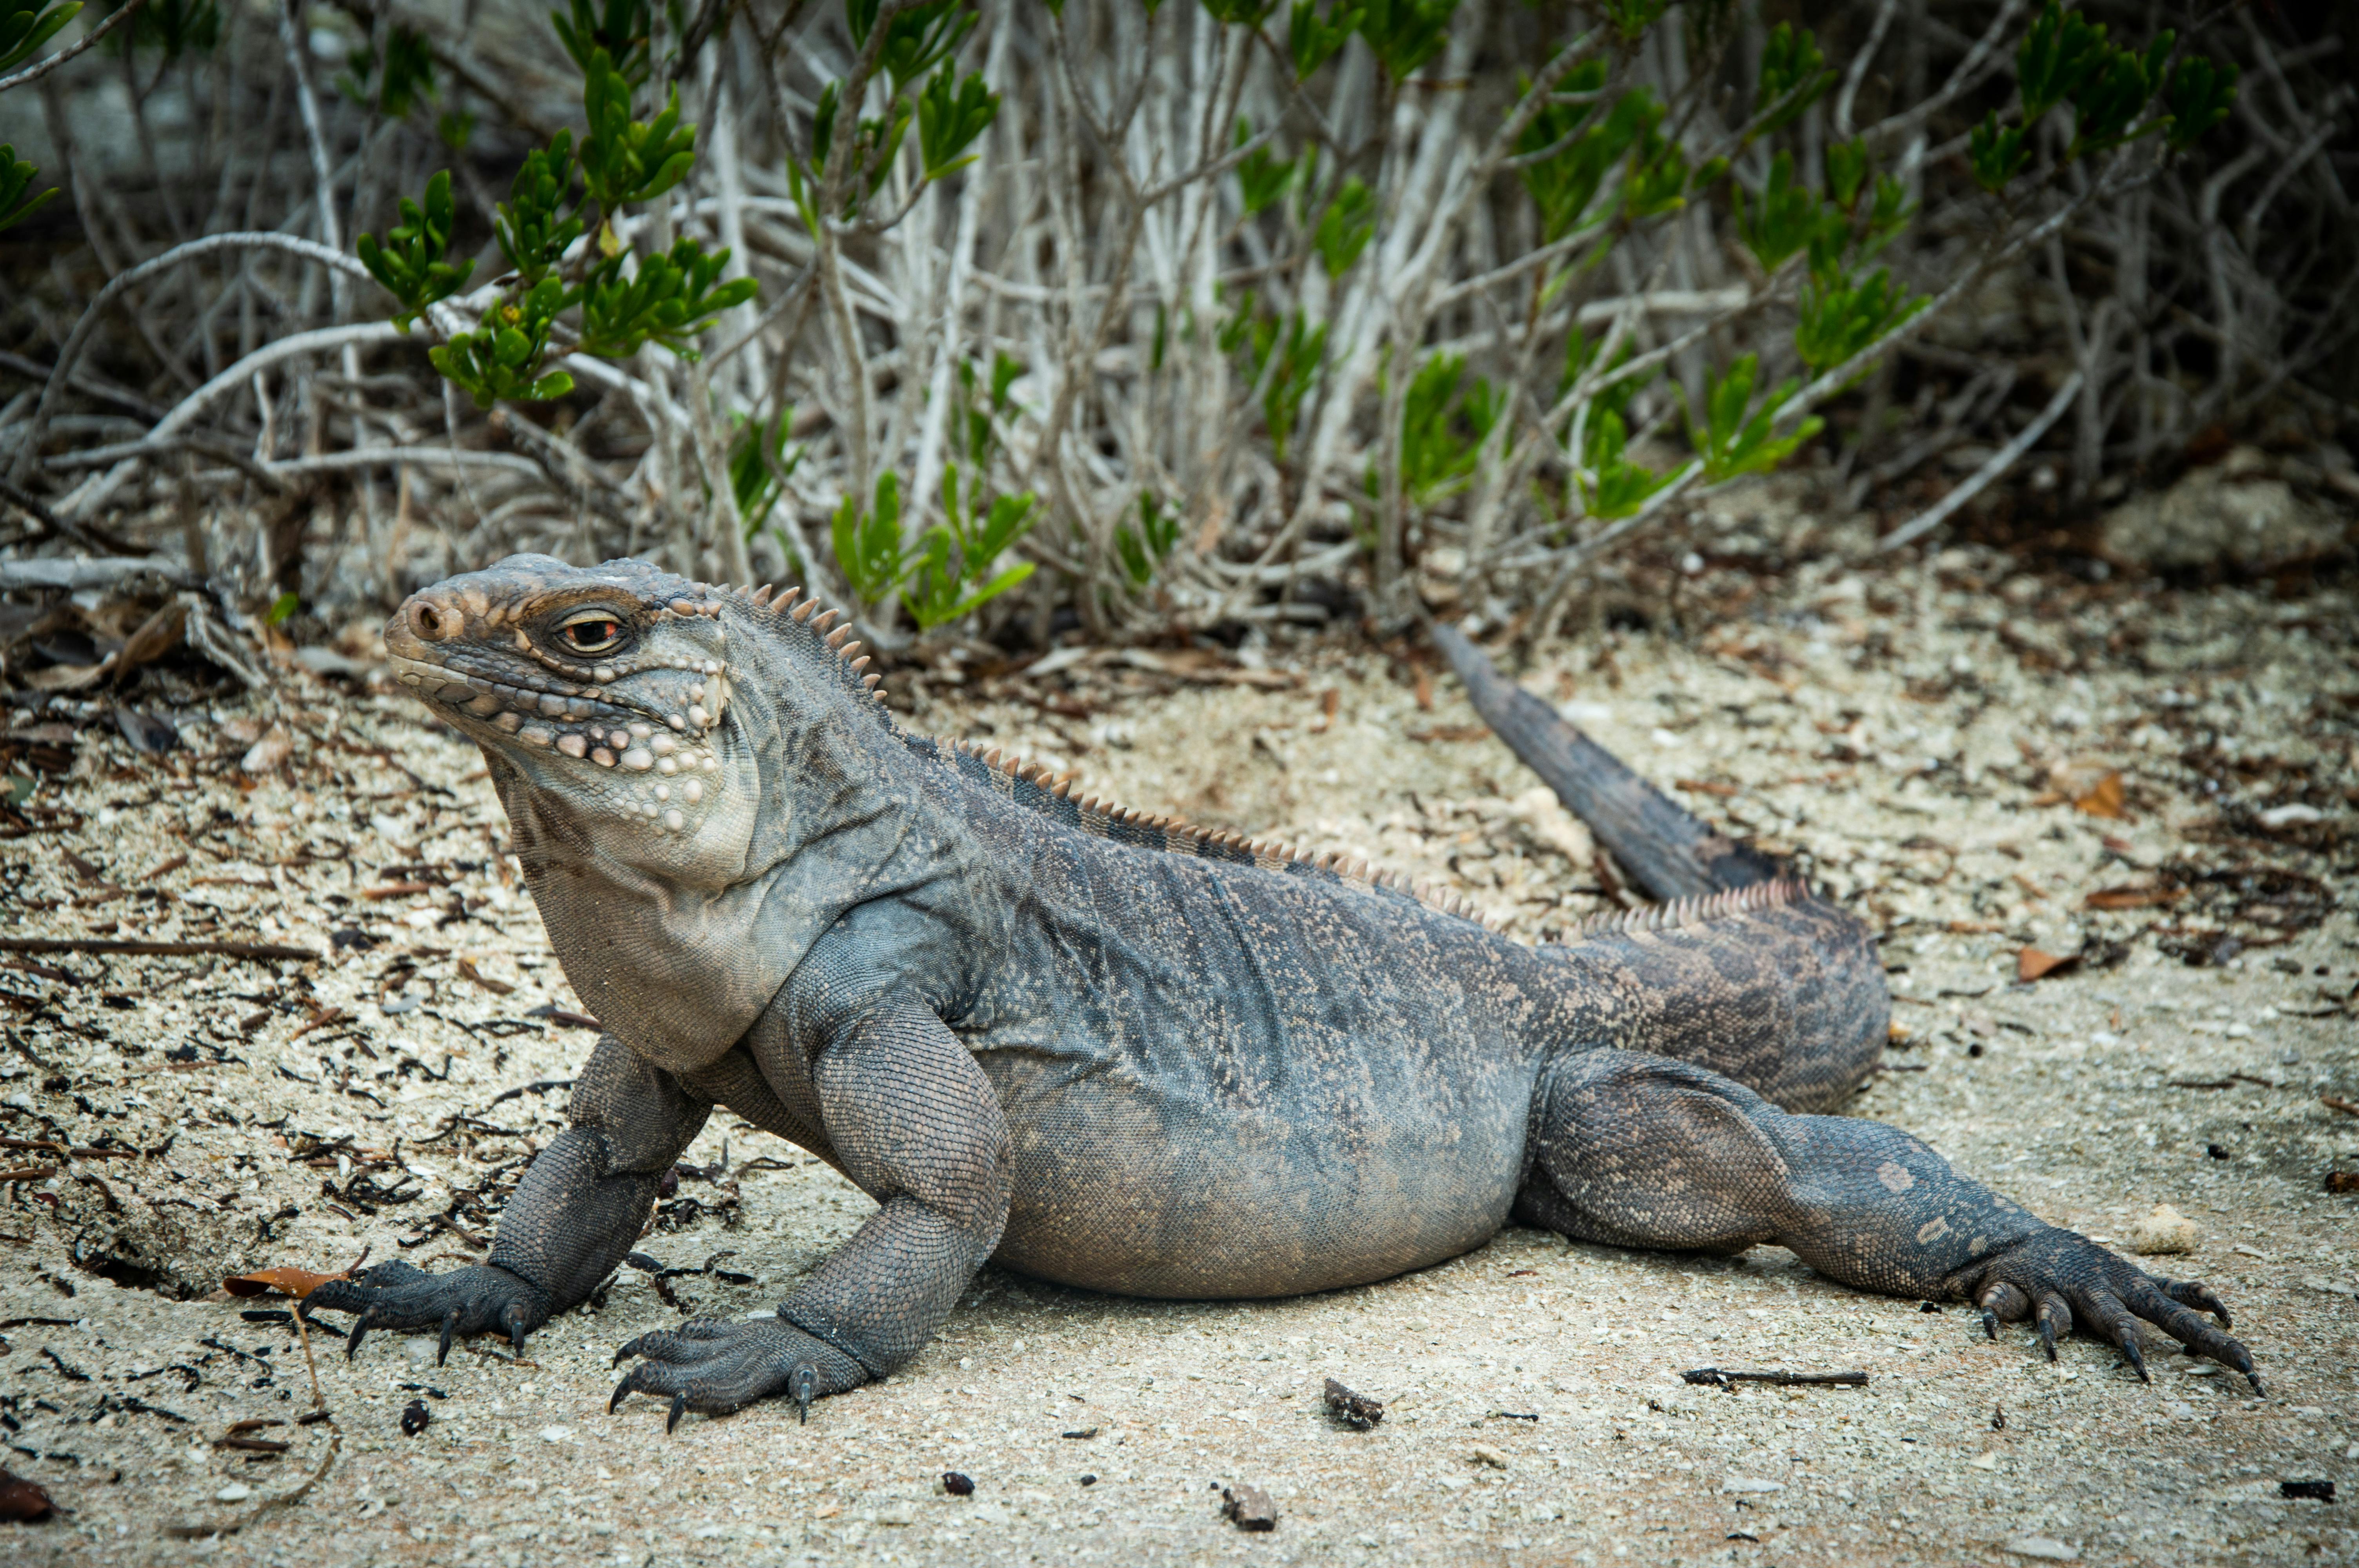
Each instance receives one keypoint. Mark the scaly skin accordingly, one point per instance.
(1120, 1054)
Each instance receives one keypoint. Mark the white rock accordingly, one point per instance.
(2291, 815)
(1746, 1483)
(2164, 1230)
(556, 1435)
(2046, 1548)
(235, 1492)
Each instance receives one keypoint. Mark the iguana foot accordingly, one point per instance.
(718, 1367)
(468, 1301)
(2057, 1278)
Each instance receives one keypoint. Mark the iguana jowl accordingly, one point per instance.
(1121, 1053)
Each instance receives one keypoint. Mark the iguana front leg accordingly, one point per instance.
(581, 1203)
(914, 1121)
(1648, 1151)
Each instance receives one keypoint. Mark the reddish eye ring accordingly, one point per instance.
(594, 632)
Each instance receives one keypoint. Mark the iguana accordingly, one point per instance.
(1122, 1054)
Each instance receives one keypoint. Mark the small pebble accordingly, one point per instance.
(235, 1492)
(1249, 1508)
(414, 1418)
(1355, 1411)
(956, 1485)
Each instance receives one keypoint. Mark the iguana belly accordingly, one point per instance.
(1122, 1186)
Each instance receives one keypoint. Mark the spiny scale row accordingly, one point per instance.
(808, 613)
(1697, 910)
(1187, 837)
(1053, 786)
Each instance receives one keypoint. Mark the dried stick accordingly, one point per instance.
(2000, 462)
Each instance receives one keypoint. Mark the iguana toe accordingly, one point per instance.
(804, 1380)
(678, 1408)
(2002, 1302)
(360, 1328)
(450, 1328)
(2055, 1318)
(516, 1322)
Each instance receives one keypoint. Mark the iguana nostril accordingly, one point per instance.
(430, 621)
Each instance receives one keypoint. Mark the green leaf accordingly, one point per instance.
(410, 264)
(620, 28)
(2060, 53)
(15, 176)
(1405, 33)
(1794, 75)
(1301, 354)
(2200, 95)
(1614, 486)
(533, 234)
(1565, 185)
(1345, 227)
(625, 160)
(668, 299)
(1442, 432)
(950, 114)
(1631, 19)
(1837, 317)
(1734, 437)
(282, 609)
(23, 29)
(1312, 42)
(757, 461)
(1997, 154)
(917, 39)
(1786, 218)
(1847, 165)
(1262, 175)
(868, 545)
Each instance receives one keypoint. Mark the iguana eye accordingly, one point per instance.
(592, 631)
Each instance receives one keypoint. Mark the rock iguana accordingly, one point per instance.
(1122, 1054)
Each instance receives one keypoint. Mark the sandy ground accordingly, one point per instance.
(1917, 733)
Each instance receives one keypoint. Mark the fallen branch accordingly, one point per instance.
(255, 950)
(1718, 1378)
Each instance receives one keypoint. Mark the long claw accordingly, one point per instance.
(2255, 1379)
(623, 1351)
(2133, 1355)
(449, 1327)
(2055, 1318)
(1990, 1324)
(622, 1392)
(805, 1381)
(678, 1408)
(360, 1327)
(515, 1319)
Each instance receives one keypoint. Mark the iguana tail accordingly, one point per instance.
(1670, 852)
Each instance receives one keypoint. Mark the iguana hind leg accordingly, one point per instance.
(1645, 1151)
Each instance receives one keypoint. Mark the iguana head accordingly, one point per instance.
(701, 779)
(606, 687)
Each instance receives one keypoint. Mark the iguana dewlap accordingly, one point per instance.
(1122, 1054)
